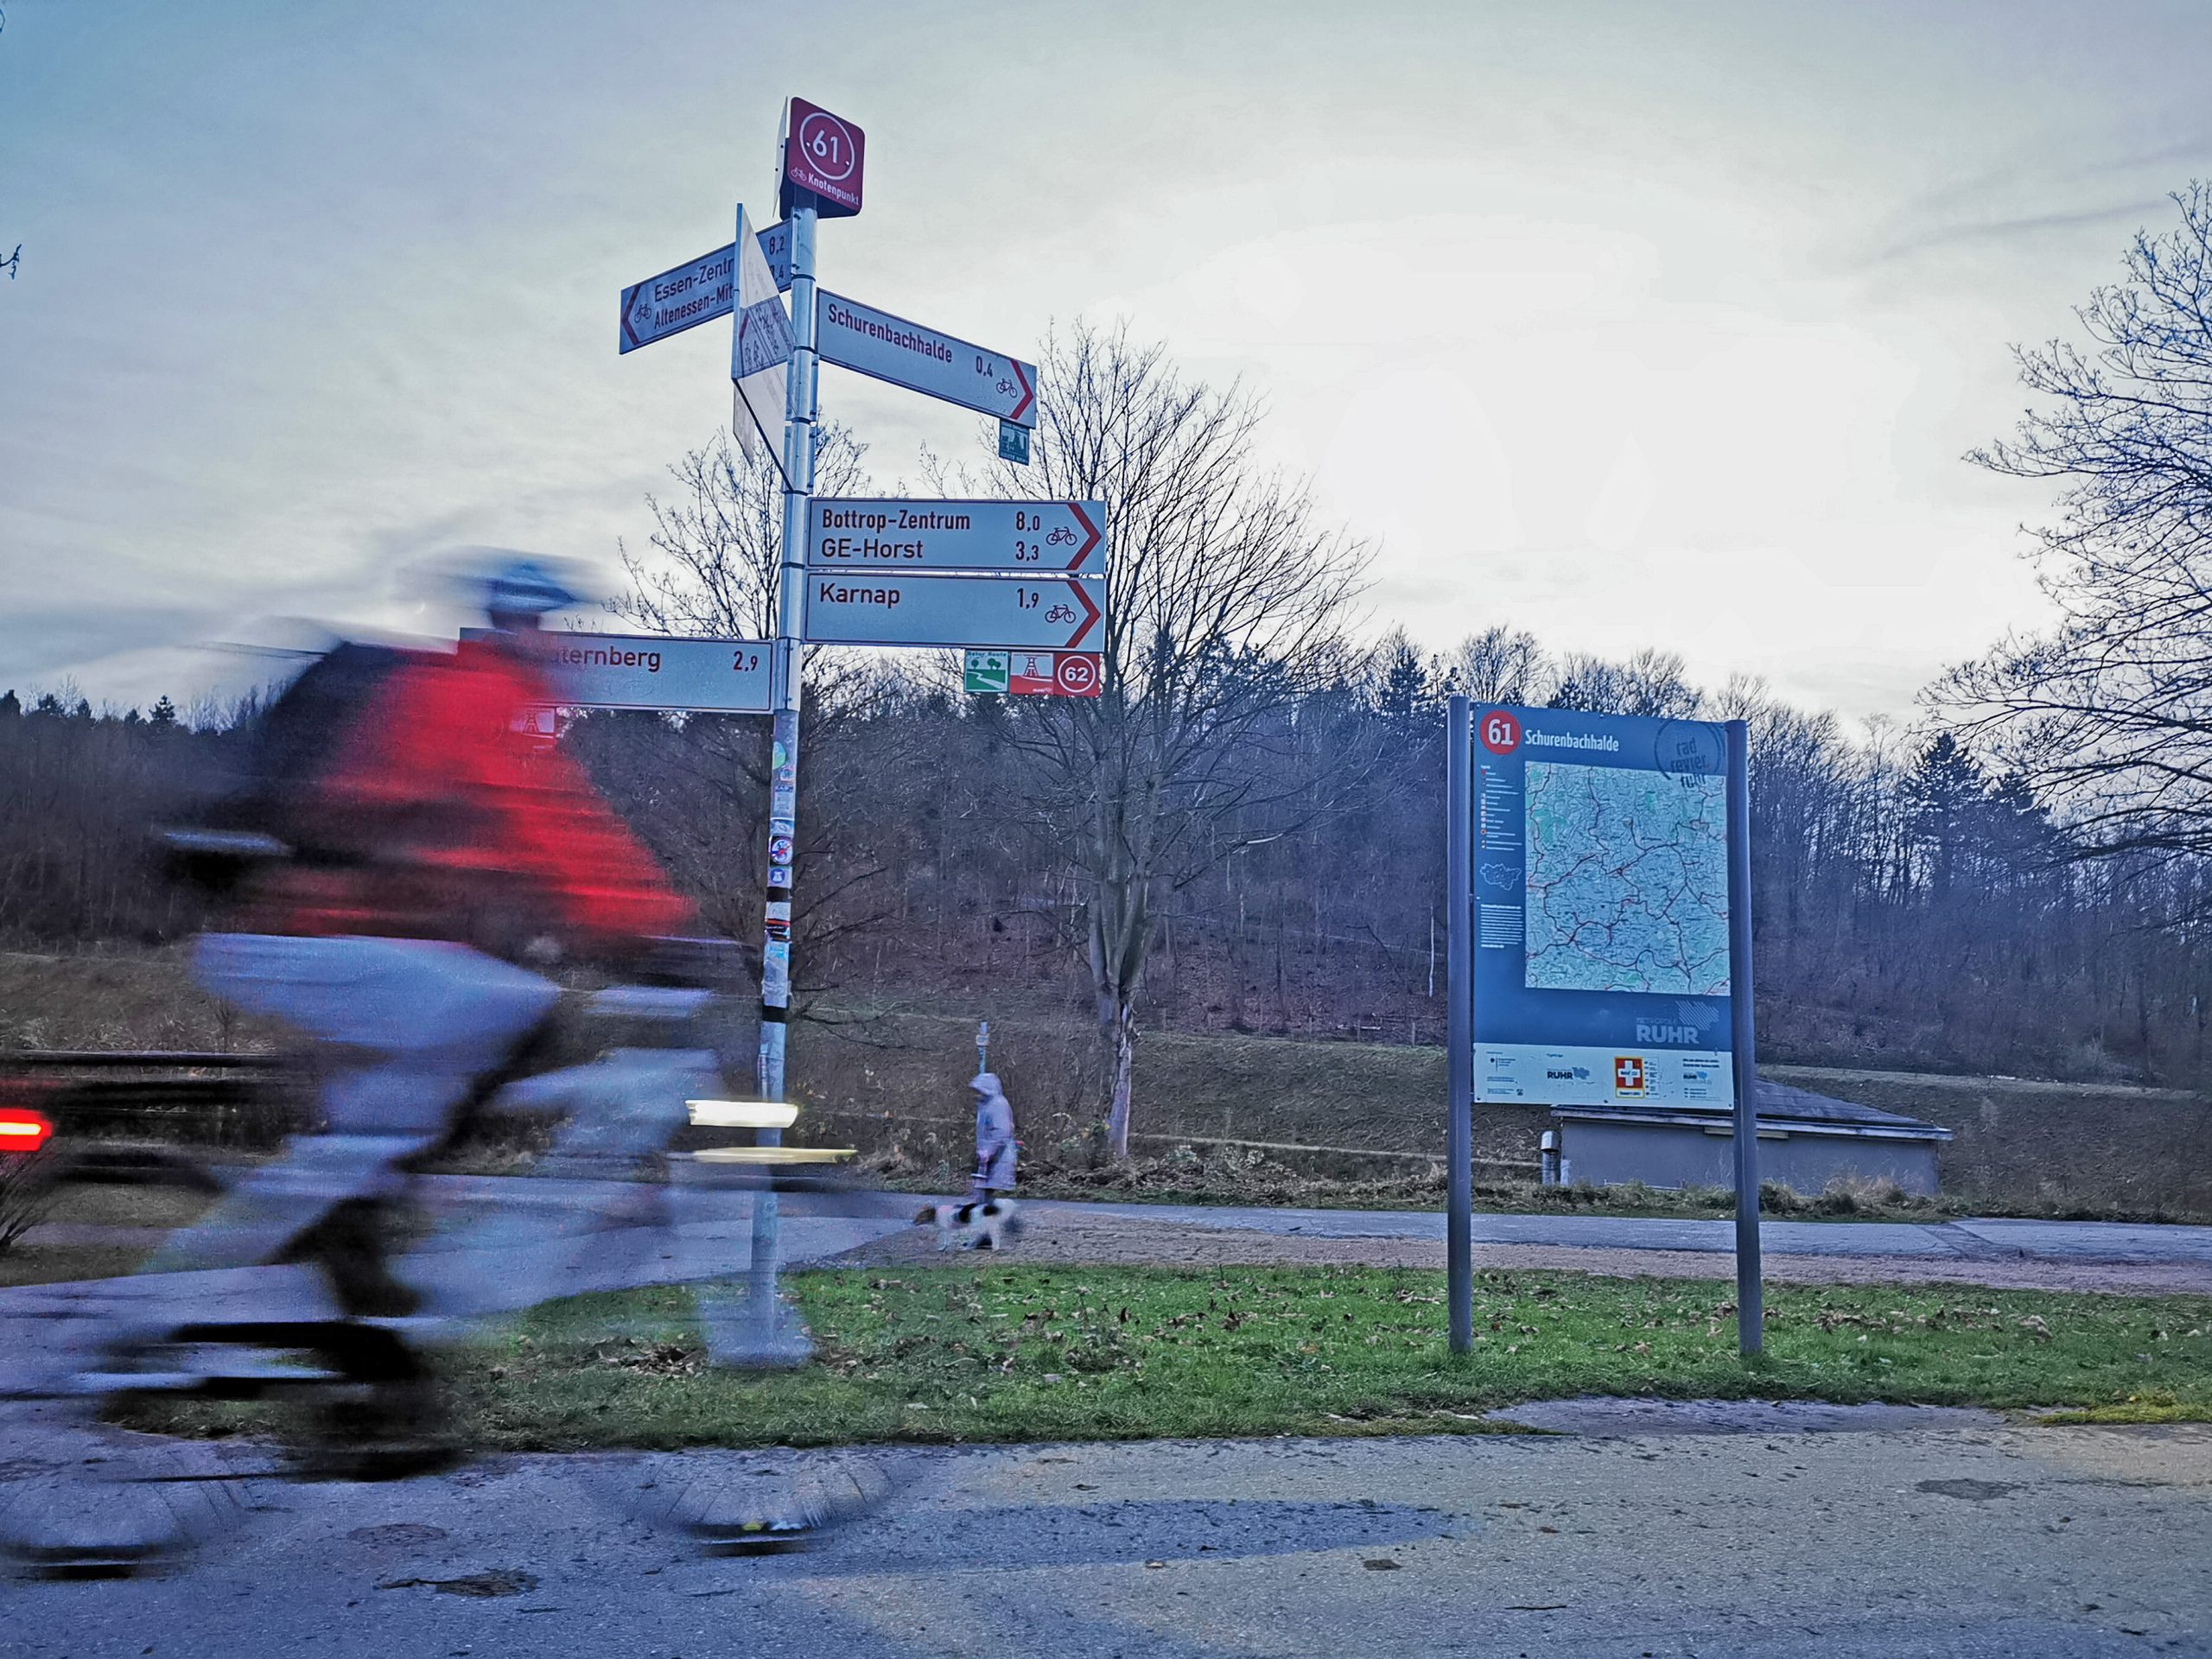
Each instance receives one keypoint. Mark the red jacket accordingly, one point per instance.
(465, 827)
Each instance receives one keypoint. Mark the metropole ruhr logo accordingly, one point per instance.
(1628, 1074)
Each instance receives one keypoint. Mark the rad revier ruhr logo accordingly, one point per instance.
(1628, 1074)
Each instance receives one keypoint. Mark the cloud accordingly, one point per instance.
(2016, 229)
(35, 642)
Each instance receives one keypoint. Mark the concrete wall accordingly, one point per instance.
(1664, 1155)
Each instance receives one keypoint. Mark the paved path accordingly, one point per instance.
(2066, 1241)
(548, 1255)
(1631, 1540)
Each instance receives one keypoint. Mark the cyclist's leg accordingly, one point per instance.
(407, 1026)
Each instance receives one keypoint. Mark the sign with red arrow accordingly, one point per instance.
(1019, 537)
(868, 607)
(872, 342)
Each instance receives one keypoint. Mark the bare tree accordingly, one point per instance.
(1499, 664)
(1653, 682)
(1224, 604)
(2108, 715)
(712, 570)
(712, 573)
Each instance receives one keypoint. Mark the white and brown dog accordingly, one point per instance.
(990, 1224)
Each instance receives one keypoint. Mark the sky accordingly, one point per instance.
(1632, 324)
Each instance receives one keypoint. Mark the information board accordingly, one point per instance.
(1601, 964)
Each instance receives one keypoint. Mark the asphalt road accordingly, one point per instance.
(1632, 1531)
(1631, 1538)
(2054, 1241)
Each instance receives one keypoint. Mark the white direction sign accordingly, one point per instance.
(760, 349)
(629, 671)
(859, 337)
(695, 292)
(1024, 538)
(991, 613)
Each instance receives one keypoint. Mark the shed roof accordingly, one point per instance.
(1779, 1104)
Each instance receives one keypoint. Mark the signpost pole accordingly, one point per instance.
(1458, 1025)
(800, 412)
(1750, 1317)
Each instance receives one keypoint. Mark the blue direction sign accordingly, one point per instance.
(1602, 971)
(990, 613)
(1021, 537)
(859, 337)
(695, 292)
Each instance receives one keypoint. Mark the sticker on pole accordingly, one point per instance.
(824, 157)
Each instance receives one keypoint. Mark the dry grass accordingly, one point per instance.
(892, 1078)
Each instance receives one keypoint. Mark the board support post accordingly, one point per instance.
(1458, 1024)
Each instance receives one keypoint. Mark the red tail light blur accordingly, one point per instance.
(22, 1131)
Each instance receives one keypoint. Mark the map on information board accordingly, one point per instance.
(1627, 881)
(1601, 959)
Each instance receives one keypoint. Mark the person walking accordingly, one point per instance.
(995, 1147)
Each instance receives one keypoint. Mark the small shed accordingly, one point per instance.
(1806, 1141)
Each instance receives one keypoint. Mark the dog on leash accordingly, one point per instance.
(989, 1225)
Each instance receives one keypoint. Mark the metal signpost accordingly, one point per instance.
(1024, 578)
(1601, 929)
(1458, 1026)
(871, 342)
(1750, 1300)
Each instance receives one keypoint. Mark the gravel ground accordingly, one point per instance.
(1057, 1237)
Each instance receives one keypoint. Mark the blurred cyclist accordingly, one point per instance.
(435, 848)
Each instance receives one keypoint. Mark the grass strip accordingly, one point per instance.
(1016, 1353)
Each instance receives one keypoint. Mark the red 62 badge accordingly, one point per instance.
(1076, 676)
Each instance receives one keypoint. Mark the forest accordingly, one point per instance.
(1244, 833)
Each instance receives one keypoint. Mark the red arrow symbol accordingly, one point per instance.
(1090, 530)
(1028, 393)
(1091, 614)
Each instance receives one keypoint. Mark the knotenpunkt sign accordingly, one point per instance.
(824, 157)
